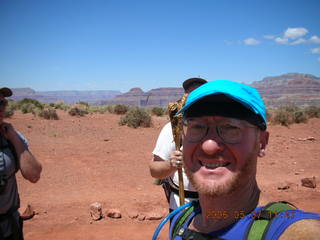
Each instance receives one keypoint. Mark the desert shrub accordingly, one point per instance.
(12, 106)
(286, 115)
(98, 109)
(61, 105)
(300, 117)
(34, 102)
(28, 108)
(281, 117)
(120, 109)
(110, 108)
(312, 111)
(76, 111)
(136, 117)
(158, 111)
(48, 113)
(84, 103)
(9, 112)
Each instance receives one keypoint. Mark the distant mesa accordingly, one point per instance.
(291, 88)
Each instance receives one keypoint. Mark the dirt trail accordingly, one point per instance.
(91, 158)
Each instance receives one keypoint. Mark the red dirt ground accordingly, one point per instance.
(92, 159)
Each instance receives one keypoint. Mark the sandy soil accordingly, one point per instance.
(92, 159)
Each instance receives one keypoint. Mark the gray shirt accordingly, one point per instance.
(10, 197)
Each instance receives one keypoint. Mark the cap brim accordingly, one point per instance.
(186, 84)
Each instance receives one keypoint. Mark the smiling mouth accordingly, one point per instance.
(214, 165)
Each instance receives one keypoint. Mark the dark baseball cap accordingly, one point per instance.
(6, 92)
(190, 81)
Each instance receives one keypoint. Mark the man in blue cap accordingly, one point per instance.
(224, 133)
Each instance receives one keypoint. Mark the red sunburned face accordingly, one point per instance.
(3, 105)
(216, 168)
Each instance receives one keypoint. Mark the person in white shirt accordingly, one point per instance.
(166, 160)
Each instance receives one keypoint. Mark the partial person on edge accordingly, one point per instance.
(14, 156)
(224, 133)
(166, 160)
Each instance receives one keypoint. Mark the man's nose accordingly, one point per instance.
(212, 143)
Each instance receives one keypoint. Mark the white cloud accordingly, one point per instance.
(281, 40)
(269, 36)
(294, 33)
(298, 41)
(315, 50)
(251, 41)
(315, 39)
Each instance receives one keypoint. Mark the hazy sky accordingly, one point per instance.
(121, 44)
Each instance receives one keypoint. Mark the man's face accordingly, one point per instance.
(214, 166)
(2, 107)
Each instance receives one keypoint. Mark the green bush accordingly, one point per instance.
(158, 111)
(28, 108)
(286, 115)
(84, 103)
(27, 101)
(76, 111)
(300, 117)
(98, 109)
(61, 105)
(48, 113)
(120, 109)
(136, 117)
(312, 111)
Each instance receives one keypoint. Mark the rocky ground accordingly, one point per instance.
(92, 159)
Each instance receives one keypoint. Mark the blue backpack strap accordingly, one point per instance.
(263, 218)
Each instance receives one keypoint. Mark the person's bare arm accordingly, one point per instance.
(30, 168)
(161, 169)
(303, 229)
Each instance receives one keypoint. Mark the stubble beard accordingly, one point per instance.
(230, 185)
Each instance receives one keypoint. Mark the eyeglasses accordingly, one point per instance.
(3, 102)
(230, 130)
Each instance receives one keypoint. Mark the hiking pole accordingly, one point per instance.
(176, 124)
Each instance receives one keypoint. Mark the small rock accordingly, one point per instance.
(113, 213)
(309, 182)
(307, 139)
(96, 211)
(133, 214)
(284, 187)
(28, 213)
(141, 217)
(154, 216)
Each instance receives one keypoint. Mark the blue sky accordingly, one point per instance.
(121, 44)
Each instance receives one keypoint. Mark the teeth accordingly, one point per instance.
(215, 165)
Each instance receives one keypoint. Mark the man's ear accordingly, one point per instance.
(264, 139)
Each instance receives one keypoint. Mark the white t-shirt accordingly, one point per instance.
(164, 146)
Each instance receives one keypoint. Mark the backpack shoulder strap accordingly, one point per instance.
(5, 143)
(263, 218)
(183, 218)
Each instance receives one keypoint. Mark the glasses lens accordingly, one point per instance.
(229, 133)
(194, 131)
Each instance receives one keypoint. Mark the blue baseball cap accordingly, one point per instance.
(229, 99)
